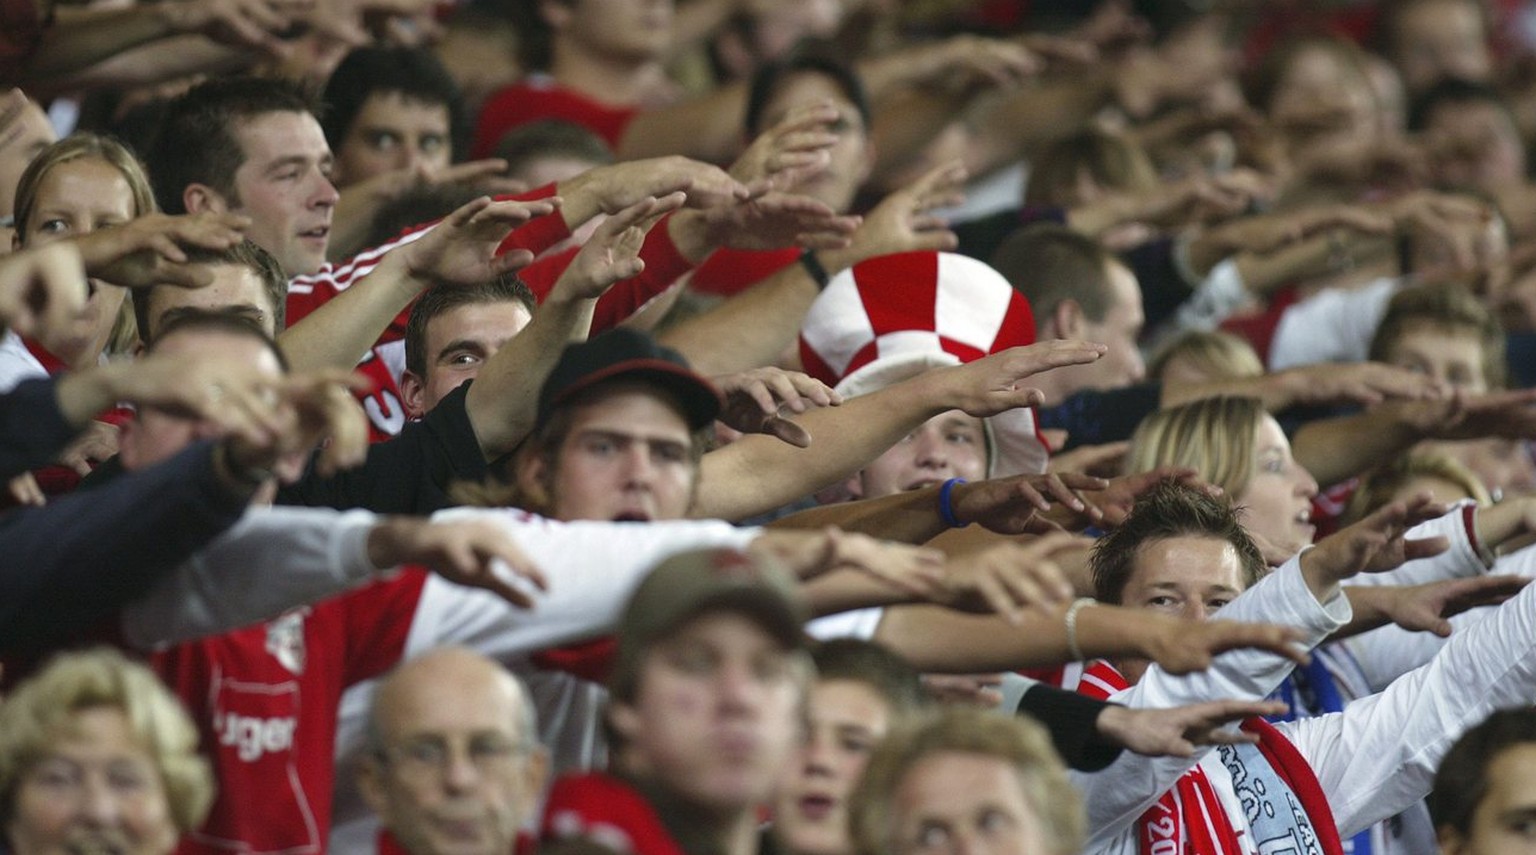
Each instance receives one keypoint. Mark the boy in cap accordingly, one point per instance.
(707, 697)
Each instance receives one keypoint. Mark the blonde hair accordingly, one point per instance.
(124, 337)
(41, 708)
(1020, 742)
(1219, 355)
(1214, 436)
(1379, 486)
(80, 147)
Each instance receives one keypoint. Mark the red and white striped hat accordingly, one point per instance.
(893, 317)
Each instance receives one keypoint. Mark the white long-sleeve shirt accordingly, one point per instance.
(1372, 760)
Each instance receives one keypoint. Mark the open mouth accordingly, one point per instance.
(816, 807)
(632, 516)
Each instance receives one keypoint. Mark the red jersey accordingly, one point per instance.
(265, 700)
(538, 97)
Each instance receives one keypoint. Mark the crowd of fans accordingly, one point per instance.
(723, 427)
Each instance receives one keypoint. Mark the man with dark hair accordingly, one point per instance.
(1484, 797)
(454, 330)
(1077, 289)
(250, 146)
(388, 109)
(1473, 140)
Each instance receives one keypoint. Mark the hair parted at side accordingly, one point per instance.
(1214, 436)
(246, 254)
(1050, 263)
(890, 676)
(197, 143)
(436, 301)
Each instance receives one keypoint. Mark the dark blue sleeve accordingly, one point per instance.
(1095, 417)
(80, 558)
(32, 428)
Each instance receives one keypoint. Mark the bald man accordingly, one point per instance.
(453, 763)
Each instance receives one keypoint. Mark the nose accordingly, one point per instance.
(817, 754)
(929, 449)
(324, 194)
(459, 771)
(1306, 485)
(98, 803)
(1135, 365)
(638, 468)
(1194, 610)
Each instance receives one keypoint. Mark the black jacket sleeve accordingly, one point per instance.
(1072, 721)
(409, 474)
(80, 558)
(32, 428)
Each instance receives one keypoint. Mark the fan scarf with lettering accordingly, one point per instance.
(1274, 783)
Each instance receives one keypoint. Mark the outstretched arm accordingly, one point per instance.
(759, 473)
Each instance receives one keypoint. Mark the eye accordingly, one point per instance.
(53, 226)
(1163, 601)
(383, 140)
(993, 821)
(931, 835)
(770, 668)
(692, 660)
(425, 752)
(960, 438)
(1216, 603)
(856, 745)
(127, 779)
(433, 142)
(463, 358)
(56, 775)
(599, 445)
(668, 452)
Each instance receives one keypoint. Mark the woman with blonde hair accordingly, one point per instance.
(96, 755)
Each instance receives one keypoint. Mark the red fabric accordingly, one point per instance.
(1259, 330)
(664, 265)
(730, 271)
(526, 844)
(59, 480)
(265, 700)
(1189, 818)
(539, 233)
(540, 97)
(608, 811)
(590, 660)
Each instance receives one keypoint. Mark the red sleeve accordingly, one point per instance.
(539, 233)
(664, 265)
(378, 619)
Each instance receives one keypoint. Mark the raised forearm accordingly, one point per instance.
(757, 473)
(339, 333)
(750, 329)
(503, 402)
(1340, 448)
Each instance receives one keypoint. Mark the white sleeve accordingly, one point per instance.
(592, 568)
(1388, 652)
(1380, 754)
(270, 561)
(858, 623)
(1335, 325)
(1221, 293)
(1119, 794)
(1460, 561)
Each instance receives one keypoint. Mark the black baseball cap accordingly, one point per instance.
(623, 353)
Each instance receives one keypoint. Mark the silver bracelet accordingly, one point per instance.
(1072, 610)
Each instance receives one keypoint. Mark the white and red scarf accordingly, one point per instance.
(1191, 818)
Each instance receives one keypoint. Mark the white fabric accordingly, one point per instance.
(1334, 326)
(1372, 760)
(17, 363)
(592, 567)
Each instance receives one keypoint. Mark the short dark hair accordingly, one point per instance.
(1169, 510)
(413, 73)
(506, 288)
(1050, 263)
(1461, 782)
(551, 137)
(197, 142)
(535, 38)
(245, 254)
(417, 206)
(768, 79)
(1455, 91)
(224, 323)
(890, 676)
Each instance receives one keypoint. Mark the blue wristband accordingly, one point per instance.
(946, 510)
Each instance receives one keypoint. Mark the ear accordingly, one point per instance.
(1067, 320)
(15, 240)
(1451, 841)
(412, 393)
(535, 776)
(556, 13)
(200, 198)
(867, 164)
(534, 480)
(370, 782)
(625, 721)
